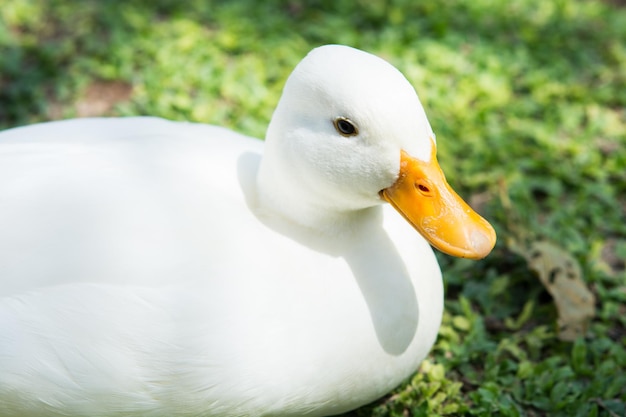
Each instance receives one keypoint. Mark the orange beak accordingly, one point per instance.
(422, 195)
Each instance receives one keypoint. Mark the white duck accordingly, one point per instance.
(152, 268)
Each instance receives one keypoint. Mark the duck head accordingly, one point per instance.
(350, 133)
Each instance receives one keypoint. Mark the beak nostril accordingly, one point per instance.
(422, 188)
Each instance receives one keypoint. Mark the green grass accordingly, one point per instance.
(528, 100)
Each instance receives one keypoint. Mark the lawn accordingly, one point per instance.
(528, 100)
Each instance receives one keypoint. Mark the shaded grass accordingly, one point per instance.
(527, 99)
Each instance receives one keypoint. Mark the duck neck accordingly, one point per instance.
(282, 198)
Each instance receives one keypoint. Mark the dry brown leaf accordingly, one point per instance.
(101, 96)
(560, 273)
(98, 99)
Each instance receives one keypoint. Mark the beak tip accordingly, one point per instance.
(482, 243)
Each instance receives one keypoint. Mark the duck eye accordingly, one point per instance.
(345, 127)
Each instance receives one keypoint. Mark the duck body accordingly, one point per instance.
(174, 307)
(157, 268)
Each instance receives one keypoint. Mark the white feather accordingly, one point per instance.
(147, 270)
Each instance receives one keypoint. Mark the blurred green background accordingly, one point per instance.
(528, 100)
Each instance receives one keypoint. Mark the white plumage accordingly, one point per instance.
(154, 268)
